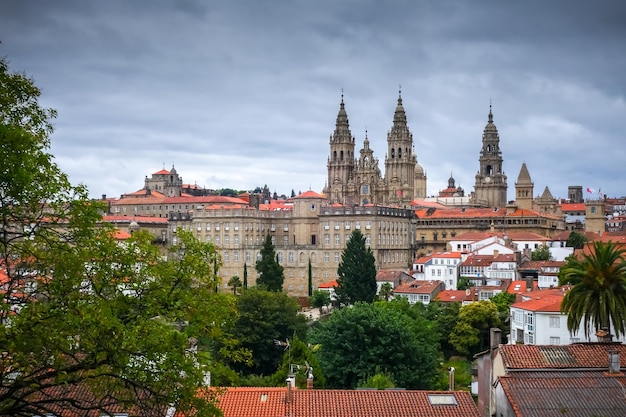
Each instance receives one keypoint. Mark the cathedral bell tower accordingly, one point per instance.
(490, 187)
(400, 161)
(341, 159)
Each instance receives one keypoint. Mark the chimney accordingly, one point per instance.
(451, 378)
(495, 337)
(291, 379)
(614, 367)
(309, 380)
(604, 336)
(529, 283)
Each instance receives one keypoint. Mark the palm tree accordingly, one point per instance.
(234, 282)
(598, 295)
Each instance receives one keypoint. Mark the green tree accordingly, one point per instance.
(264, 317)
(576, 240)
(378, 381)
(92, 314)
(320, 299)
(386, 291)
(464, 283)
(357, 272)
(300, 359)
(471, 332)
(271, 273)
(245, 276)
(597, 298)
(234, 282)
(367, 339)
(445, 316)
(542, 253)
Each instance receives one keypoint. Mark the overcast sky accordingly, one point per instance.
(238, 94)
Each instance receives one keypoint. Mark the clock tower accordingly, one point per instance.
(490, 187)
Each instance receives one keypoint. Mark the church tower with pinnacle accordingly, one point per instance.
(341, 160)
(490, 187)
(400, 160)
(524, 189)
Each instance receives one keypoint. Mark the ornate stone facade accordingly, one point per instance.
(359, 181)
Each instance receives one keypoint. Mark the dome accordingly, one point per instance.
(419, 169)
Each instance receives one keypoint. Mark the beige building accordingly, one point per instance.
(315, 227)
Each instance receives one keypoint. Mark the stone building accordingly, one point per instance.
(491, 186)
(358, 179)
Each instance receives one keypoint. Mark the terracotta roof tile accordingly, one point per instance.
(419, 287)
(310, 194)
(270, 402)
(577, 355)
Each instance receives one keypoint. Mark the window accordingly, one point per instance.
(235, 256)
(247, 256)
(326, 257)
(226, 257)
(226, 226)
(555, 340)
(337, 240)
(357, 224)
(227, 240)
(337, 257)
(236, 239)
(327, 239)
(336, 225)
(285, 240)
(347, 225)
(368, 225)
(279, 256)
(218, 240)
(555, 322)
(291, 257)
(217, 226)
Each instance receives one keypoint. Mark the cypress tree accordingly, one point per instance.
(357, 272)
(271, 274)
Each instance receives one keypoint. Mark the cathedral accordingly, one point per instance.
(357, 180)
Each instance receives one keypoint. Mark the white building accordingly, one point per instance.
(441, 266)
(537, 320)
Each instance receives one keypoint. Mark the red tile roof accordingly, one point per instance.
(329, 284)
(310, 194)
(569, 207)
(419, 287)
(548, 301)
(566, 394)
(270, 402)
(162, 172)
(577, 355)
(457, 296)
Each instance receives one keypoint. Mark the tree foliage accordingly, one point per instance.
(320, 299)
(386, 291)
(264, 317)
(271, 273)
(471, 332)
(542, 253)
(357, 272)
(597, 298)
(80, 310)
(444, 316)
(235, 282)
(359, 342)
(576, 240)
(300, 359)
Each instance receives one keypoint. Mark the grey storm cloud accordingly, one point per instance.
(244, 93)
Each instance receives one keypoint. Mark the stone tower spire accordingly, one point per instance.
(400, 160)
(524, 189)
(341, 159)
(490, 187)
